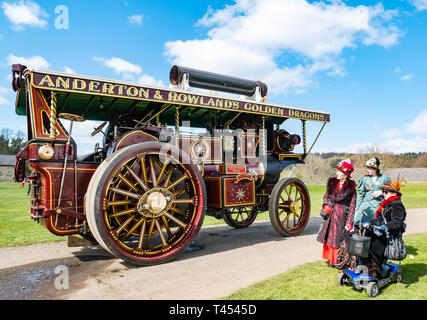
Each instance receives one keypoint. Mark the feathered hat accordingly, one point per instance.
(394, 186)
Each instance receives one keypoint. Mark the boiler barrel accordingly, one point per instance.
(217, 82)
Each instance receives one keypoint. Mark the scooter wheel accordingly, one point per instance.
(341, 279)
(372, 289)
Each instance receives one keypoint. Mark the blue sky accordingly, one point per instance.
(364, 62)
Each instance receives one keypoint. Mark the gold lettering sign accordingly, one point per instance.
(62, 83)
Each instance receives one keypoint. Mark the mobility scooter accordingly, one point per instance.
(358, 244)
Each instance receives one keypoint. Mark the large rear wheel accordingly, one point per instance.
(146, 203)
(289, 207)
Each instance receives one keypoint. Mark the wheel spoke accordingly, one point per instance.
(168, 177)
(141, 235)
(179, 222)
(179, 192)
(118, 203)
(124, 225)
(127, 182)
(162, 171)
(168, 229)
(138, 179)
(159, 230)
(177, 211)
(175, 183)
(125, 193)
(144, 170)
(183, 201)
(150, 232)
(122, 213)
(153, 172)
(131, 230)
(285, 189)
(286, 219)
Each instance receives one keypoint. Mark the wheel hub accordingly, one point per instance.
(155, 203)
(295, 207)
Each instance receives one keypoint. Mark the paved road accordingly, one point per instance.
(230, 260)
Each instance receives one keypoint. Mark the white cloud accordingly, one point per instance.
(419, 125)
(119, 65)
(129, 71)
(392, 133)
(136, 19)
(69, 70)
(419, 4)
(24, 13)
(34, 62)
(284, 43)
(411, 137)
(3, 92)
(4, 101)
(407, 76)
(150, 81)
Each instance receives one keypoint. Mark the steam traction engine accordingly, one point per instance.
(143, 194)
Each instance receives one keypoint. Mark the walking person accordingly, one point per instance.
(370, 193)
(339, 203)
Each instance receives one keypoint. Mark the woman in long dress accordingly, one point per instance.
(339, 203)
(370, 193)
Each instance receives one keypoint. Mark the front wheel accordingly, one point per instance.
(289, 207)
(373, 289)
(146, 203)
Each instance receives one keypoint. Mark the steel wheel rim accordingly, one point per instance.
(291, 207)
(135, 224)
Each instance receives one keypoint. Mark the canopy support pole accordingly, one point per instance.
(315, 140)
(177, 120)
(53, 105)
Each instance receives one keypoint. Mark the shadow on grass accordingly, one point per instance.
(412, 272)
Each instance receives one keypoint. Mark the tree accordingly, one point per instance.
(10, 143)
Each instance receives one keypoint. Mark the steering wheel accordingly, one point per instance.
(98, 129)
(72, 117)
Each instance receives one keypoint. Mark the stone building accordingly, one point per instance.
(7, 164)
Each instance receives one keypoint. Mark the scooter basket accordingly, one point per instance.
(358, 245)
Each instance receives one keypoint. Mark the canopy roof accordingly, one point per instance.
(102, 99)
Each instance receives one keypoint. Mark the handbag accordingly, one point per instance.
(396, 249)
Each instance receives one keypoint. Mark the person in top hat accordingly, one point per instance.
(339, 203)
(370, 195)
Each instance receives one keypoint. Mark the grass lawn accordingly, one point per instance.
(17, 228)
(315, 281)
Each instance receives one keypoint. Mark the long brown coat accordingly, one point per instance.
(342, 203)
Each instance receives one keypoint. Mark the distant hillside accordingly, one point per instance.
(319, 167)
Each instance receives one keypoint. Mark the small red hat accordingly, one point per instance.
(346, 167)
